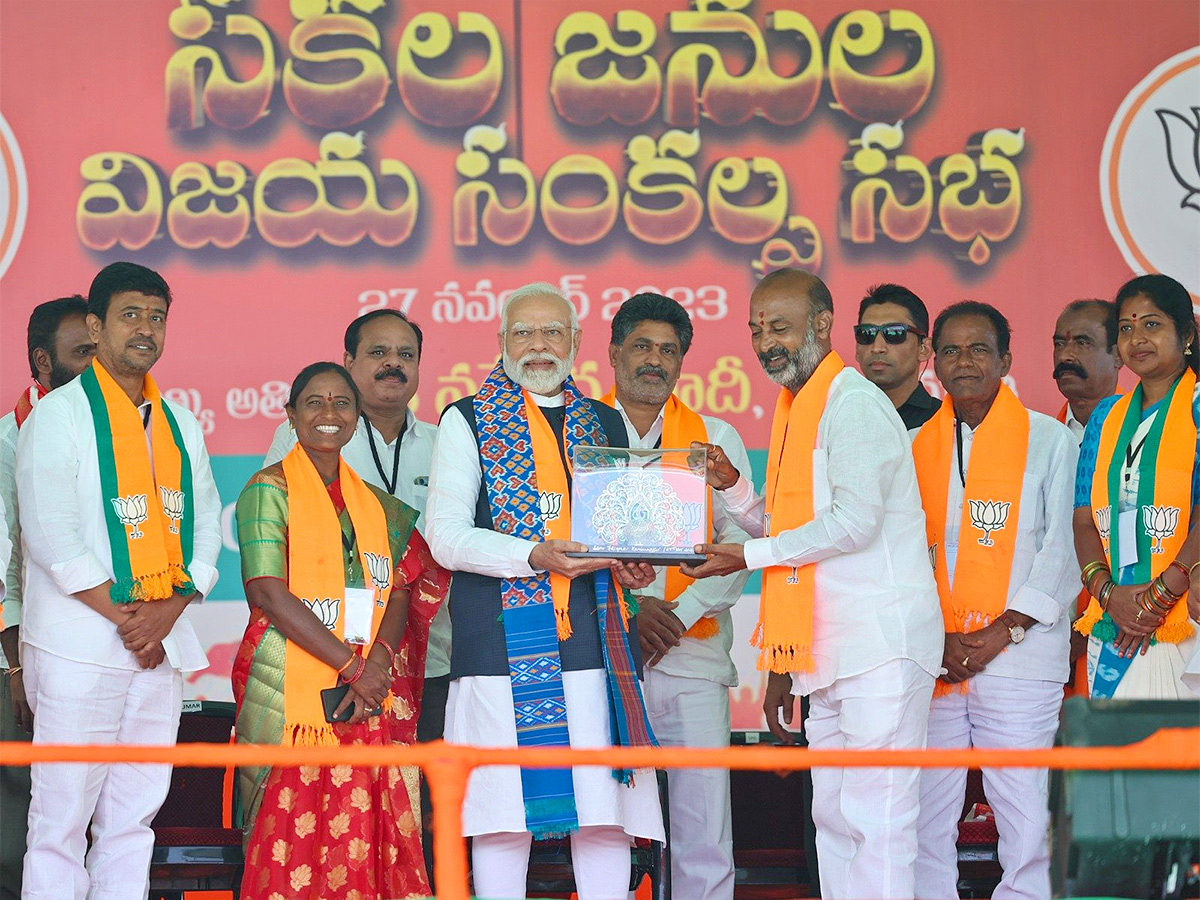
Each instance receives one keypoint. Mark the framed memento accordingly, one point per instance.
(639, 505)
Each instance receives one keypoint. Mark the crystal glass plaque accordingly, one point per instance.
(640, 505)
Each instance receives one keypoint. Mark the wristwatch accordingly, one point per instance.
(1016, 634)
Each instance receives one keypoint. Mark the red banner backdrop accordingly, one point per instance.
(290, 165)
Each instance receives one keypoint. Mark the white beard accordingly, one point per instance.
(538, 381)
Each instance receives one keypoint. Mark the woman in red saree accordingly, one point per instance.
(326, 559)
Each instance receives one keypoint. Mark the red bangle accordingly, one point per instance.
(348, 663)
(388, 647)
(358, 670)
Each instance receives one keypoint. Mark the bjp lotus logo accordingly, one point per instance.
(326, 610)
(131, 510)
(1103, 518)
(988, 516)
(550, 505)
(1183, 151)
(172, 504)
(1160, 523)
(380, 569)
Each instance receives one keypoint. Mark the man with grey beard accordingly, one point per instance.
(849, 612)
(539, 639)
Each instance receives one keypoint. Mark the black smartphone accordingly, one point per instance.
(331, 697)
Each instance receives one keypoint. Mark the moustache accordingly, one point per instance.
(1064, 368)
(537, 356)
(652, 370)
(772, 355)
(391, 372)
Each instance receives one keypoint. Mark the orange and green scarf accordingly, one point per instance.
(1163, 499)
(148, 507)
(317, 575)
(991, 511)
(681, 426)
(784, 634)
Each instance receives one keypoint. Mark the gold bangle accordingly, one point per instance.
(13, 671)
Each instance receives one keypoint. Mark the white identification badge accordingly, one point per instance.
(360, 604)
(1127, 538)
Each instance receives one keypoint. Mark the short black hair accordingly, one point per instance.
(901, 296)
(975, 308)
(650, 307)
(354, 329)
(119, 277)
(44, 321)
(311, 371)
(819, 298)
(1173, 299)
(1108, 312)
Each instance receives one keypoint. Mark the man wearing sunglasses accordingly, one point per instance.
(892, 345)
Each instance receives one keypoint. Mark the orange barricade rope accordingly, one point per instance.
(448, 766)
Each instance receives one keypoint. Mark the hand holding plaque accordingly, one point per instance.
(644, 505)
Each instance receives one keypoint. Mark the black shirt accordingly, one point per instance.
(918, 408)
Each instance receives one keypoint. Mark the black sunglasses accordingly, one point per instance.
(893, 333)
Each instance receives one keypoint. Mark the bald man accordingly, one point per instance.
(849, 612)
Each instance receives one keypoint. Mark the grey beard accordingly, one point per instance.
(801, 363)
(537, 382)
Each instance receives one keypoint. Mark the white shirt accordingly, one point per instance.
(66, 539)
(1045, 573)
(708, 658)
(10, 605)
(412, 487)
(5, 555)
(1075, 425)
(876, 599)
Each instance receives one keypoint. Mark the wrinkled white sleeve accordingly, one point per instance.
(206, 540)
(709, 596)
(1051, 587)
(10, 606)
(743, 504)
(863, 450)
(454, 483)
(282, 443)
(47, 467)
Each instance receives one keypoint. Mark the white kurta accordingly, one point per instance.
(66, 539)
(83, 685)
(876, 599)
(412, 487)
(480, 707)
(1045, 573)
(10, 604)
(1015, 702)
(877, 633)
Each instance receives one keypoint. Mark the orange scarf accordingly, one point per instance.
(1159, 540)
(552, 483)
(991, 511)
(681, 426)
(317, 575)
(784, 634)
